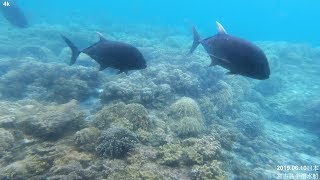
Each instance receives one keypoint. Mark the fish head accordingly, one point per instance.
(261, 70)
(141, 62)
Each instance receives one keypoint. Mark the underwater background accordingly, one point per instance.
(176, 119)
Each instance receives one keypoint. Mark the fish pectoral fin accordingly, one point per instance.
(217, 60)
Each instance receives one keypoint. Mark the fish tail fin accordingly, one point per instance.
(74, 49)
(196, 40)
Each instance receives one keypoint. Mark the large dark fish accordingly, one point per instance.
(118, 55)
(14, 14)
(237, 55)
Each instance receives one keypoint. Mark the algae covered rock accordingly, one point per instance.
(16, 170)
(6, 140)
(116, 143)
(52, 122)
(186, 117)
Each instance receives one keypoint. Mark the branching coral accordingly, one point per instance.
(116, 143)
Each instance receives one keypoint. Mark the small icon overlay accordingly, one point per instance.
(6, 3)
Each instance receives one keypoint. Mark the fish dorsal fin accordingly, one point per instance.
(221, 28)
(102, 38)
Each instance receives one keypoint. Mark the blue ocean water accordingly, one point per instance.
(175, 119)
(256, 20)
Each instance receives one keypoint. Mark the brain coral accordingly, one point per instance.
(116, 142)
(189, 126)
(186, 117)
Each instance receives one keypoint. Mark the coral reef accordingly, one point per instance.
(86, 138)
(137, 114)
(209, 171)
(189, 152)
(176, 119)
(186, 117)
(156, 137)
(226, 136)
(188, 126)
(132, 116)
(116, 143)
(48, 82)
(223, 97)
(250, 124)
(70, 164)
(152, 87)
(170, 154)
(37, 52)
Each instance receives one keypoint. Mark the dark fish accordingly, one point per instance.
(14, 14)
(118, 55)
(237, 55)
